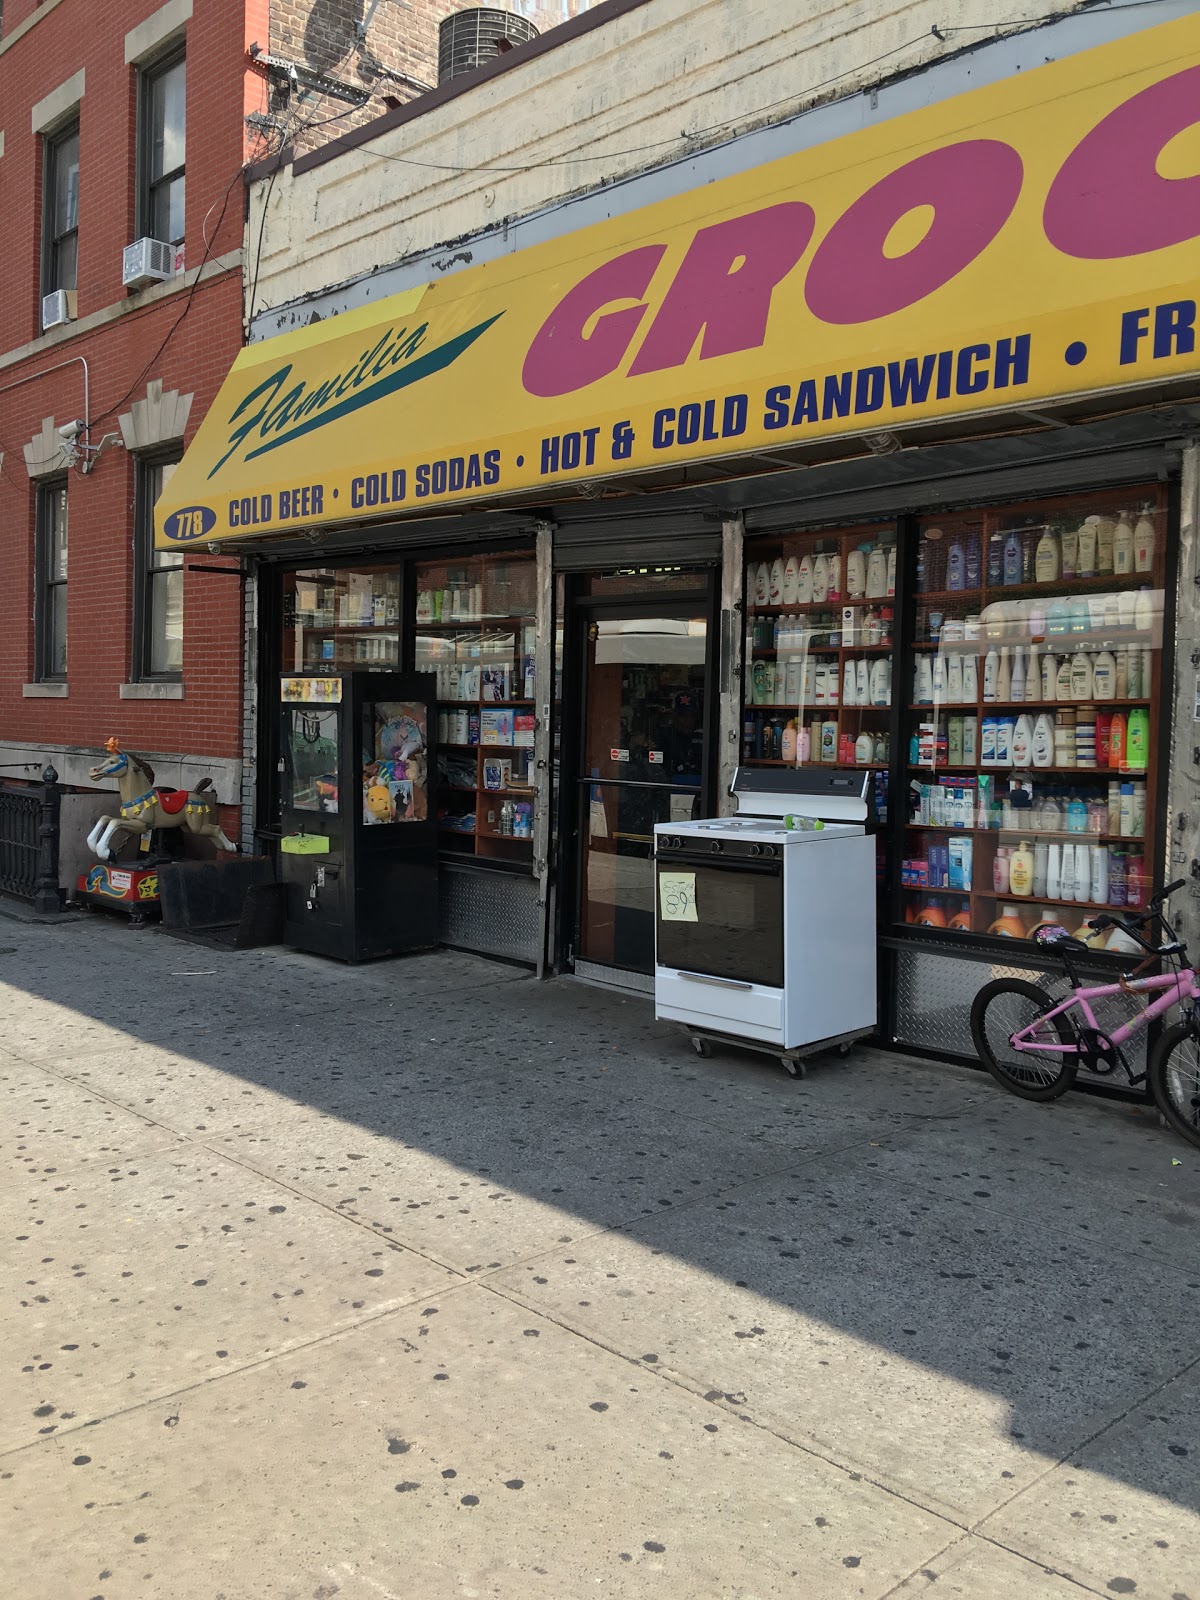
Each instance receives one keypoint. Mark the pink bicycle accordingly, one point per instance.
(1034, 1045)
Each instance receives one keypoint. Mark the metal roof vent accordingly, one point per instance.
(468, 39)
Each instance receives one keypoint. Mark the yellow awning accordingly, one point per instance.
(1031, 239)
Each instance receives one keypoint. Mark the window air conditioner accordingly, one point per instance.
(147, 261)
(58, 308)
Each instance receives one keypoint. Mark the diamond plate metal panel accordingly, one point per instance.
(934, 994)
(493, 913)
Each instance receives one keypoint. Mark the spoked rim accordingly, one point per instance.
(1010, 1011)
(1181, 1083)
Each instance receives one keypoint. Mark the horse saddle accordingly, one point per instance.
(172, 800)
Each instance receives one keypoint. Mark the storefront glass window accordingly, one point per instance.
(475, 630)
(338, 618)
(1032, 716)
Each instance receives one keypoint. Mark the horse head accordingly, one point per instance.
(123, 766)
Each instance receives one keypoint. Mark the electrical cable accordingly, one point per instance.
(1000, 30)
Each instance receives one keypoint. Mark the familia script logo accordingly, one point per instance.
(279, 409)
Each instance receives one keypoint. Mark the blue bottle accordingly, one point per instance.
(995, 561)
(955, 566)
(1012, 558)
(972, 561)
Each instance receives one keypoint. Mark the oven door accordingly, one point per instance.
(722, 919)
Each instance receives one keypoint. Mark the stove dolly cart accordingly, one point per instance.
(765, 921)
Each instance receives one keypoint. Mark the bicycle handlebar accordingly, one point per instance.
(1153, 912)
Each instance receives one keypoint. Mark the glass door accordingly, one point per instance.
(643, 759)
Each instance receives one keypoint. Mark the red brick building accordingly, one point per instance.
(137, 125)
(111, 134)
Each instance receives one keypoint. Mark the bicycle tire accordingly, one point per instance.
(1017, 1072)
(1176, 1086)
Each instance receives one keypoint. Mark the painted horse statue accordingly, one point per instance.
(144, 808)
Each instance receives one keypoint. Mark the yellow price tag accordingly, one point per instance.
(677, 896)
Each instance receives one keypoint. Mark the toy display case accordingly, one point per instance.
(359, 828)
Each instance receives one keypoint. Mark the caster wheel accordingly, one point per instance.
(844, 1048)
(701, 1047)
(794, 1069)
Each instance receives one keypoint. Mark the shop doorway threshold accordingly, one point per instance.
(617, 978)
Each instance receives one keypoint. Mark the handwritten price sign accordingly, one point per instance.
(677, 896)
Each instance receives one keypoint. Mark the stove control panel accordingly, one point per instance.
(696, 845)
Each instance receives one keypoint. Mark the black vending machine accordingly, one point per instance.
(358, 815)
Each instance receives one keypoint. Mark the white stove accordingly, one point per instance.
(757, 939)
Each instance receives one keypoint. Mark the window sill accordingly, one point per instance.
(151, 691)
(44, 691)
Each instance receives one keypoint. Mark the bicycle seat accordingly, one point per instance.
(1063, 941)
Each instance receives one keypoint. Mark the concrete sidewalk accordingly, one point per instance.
(423, 1279)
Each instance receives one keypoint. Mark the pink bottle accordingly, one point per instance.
(1000, 870)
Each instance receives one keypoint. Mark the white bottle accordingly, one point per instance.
(1017, 686)
(939, 677)
(1105, 528)
(1054, 872)
(1021, 753)
(833, 685)
(1046, 564)
(820, 577)
(1062, 679)
(1004, 676)
(793, 680)
(1099, 884)
(991, 674)
(891, 569)
(876, 579)
(862, 681)
(1143, 542)
(804, 581)
(954, 679)
(1033, 675)
(881, 682)
(1081, 676)
(1086, 564)
(791, 577)
(849, 685)
(1004, 731)
(808, 681)
(834, 589)
(776, 581)
(970, 741)
(1125, 811)
(1104, 676)
(856, 575)
(1066, 873)
(923, 695)
(1049, 676)
(1042, 742)
(762, 585)
(970, 672)
(1143, 614)
(1147, 672)
(1070, 552)
(1122, 546)
(1041, 860)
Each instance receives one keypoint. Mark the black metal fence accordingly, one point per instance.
(29, 830)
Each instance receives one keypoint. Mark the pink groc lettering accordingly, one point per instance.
(1109, 200)
(562, 358)
(972, 187)
(724, 285)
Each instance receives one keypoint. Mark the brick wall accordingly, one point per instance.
(185, 335)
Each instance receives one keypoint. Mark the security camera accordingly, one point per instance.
(214, 547)
(72, 430)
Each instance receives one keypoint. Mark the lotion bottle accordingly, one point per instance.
(1004, 676)
(1042, 742)
(970, 676)
(791, 580)
(1022, 741)
(1081, 676)
(862, 681)
(1143, 541)
(776, 581)
(991, 674)
(804, 581)
(1069, 548)
(856, 575)
(1017, 685)
(1105, 528)
(1122, 546)
(820, 577)
(1046, 562)
(1049, 676)
(1087, 548)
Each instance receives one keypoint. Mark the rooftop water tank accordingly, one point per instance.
(469, 39)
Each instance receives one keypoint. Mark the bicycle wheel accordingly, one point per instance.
(1005, 1007)
(1175, 1079)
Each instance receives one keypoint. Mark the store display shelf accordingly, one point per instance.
(928, 597)
(349, 627)
(1032, 833)
(818, 766)
(831, 603)
(459, 788)
(1107, 773)
(1062, 586)
(796, 651)
(1010, 897)
(485, 704)
(507, 617)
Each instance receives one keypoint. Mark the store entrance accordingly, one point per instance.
(644, 755)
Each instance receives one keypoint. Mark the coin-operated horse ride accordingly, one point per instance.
(145, 811)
